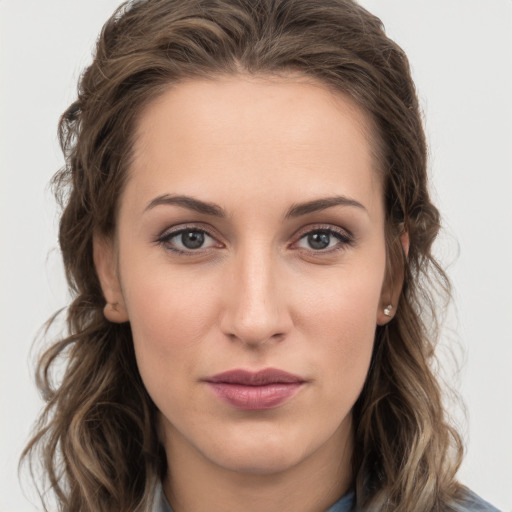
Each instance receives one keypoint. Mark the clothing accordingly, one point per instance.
(477, 504)
(344, 504)
(473, 503)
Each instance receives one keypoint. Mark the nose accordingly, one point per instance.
(256, 303)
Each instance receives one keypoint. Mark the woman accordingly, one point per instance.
(247, 229)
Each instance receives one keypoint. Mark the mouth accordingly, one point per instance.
(265, 389)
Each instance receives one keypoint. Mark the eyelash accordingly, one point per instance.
(165, 239)
(344, 238)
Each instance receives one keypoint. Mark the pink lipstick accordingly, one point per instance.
(254, 391)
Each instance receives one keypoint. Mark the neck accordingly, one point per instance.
(194, 483)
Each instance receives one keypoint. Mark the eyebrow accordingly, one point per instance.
(215, 210)
(189, 203)
(321, 204)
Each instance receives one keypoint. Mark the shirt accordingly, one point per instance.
(473, 503)
(344, 504)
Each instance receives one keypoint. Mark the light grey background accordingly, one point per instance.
(461, 54)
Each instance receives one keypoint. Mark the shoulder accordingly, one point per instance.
(473, 503)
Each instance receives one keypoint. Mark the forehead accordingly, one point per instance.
(239, 131)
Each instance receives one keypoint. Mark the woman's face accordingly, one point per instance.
(250, 241)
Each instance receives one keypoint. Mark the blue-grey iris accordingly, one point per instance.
(192, 239)
(319, 240)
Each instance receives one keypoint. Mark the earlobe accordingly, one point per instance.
(385, 314)
(115, 312)
(106, 268)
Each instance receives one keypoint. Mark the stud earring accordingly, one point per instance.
(387, 309)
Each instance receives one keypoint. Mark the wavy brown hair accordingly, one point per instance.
(97, 440)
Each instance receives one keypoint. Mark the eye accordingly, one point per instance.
(187, 240)
(324, 239)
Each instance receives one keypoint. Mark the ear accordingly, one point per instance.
(393, 281)
(106, 268)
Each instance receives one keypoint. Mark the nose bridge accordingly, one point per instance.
(256, 310)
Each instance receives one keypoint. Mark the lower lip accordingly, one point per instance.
(255, 398)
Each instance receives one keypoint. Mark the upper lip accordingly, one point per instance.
(259, 378)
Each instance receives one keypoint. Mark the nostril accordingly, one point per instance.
(256, 341)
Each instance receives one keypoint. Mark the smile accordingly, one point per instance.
(261, 390)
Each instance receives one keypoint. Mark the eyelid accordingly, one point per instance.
(345, 237)
(165, 236)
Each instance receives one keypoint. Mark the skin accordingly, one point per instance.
(256, 294)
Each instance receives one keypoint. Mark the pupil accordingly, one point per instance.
(192, 239)
(319, 240)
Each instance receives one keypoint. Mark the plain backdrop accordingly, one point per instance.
(461, 56)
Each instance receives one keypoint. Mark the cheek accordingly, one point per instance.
(169, 316)
(341, 301)
(338, 320)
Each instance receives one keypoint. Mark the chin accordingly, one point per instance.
(261, 449)
(260, 461)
